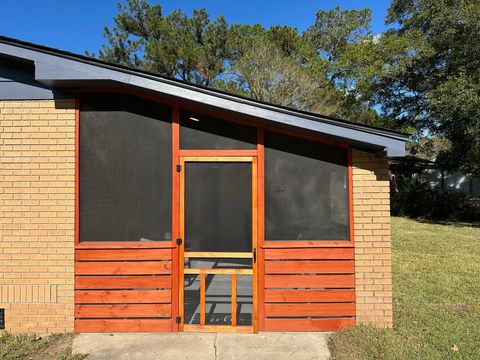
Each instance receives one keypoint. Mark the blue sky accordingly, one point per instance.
(78, 25)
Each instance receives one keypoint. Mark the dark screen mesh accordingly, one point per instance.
(306, 190)
(125, 169)
(200, 132)
(218, 206)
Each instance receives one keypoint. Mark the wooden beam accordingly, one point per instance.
(218, 271)
(202, 299)
(234, 299)
(117, 325)
(218, 153)
(122, 282)
(218, 328)
(123, 254)
(217, 158)
(175, 215)
(218, 254)
(122, 296)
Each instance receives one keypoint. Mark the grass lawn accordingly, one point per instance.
(31, 347)
(436, 295)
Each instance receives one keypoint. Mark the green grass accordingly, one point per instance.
(32, 347)
(436, 295)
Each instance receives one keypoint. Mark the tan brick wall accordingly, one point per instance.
(371, 206)
(37, 162)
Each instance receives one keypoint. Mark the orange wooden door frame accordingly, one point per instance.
(181, 271)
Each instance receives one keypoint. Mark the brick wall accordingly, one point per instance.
(37, 162)
(371, 205)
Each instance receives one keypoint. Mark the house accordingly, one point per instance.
(429, 172)
(132, 202)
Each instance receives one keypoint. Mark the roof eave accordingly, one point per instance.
(61, 72)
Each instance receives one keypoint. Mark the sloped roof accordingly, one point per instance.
(59, 69)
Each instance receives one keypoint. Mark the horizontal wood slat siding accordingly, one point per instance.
(162, 325)
(309, 289)
(119, 290)
(122, 282)
(116, 255)
(307, 296)
(285, 324)
(285, 310)
(310, 281)
(123, 268)
(309, 267)
(309, 253)
(122, 296)
(123, 311)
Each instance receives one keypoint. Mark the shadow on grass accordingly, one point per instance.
(475, 224)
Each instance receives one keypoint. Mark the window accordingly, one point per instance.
(306, 190)
(125, 169)
(200, 132)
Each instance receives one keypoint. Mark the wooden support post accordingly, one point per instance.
(202, 299)
(234, 299)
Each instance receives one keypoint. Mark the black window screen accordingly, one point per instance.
(306, 190)
(200, 132)
(218, 206)
(125, 169)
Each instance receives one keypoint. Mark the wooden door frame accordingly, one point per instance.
(254, 179)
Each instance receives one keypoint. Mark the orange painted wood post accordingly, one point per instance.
(234, 299)
(175, 215)
(260, 230)
(202, 299)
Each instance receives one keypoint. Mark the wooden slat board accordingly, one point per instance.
(304, 296)
(310, 254)
(116, 255)
(332, 324)
(123, 267)
(119, 290)
(290, 310)
(144, 325)
(309, 288)
(123, 311)
(122, 282)
(122, 296)
(310, 281)
(309, 267)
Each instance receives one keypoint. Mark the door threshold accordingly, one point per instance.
(238, 329)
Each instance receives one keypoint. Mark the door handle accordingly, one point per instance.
(254, 256)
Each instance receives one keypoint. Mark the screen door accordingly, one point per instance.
(218, 250)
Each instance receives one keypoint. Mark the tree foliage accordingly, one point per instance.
(440, 89)
(193, 48)
(421, 75)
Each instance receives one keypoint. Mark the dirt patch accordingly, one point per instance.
(32, 347)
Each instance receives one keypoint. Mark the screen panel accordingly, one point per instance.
(218, 206)
(125, 169)
(306, 190)
(201, 132)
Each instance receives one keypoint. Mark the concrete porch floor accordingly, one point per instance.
(203, 346)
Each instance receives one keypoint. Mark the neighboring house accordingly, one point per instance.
(135, 202)
(427, 171)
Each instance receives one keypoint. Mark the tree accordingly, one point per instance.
(440, 89)
(352, 59)
(316, 71)
(192, 49)
(265, 73)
